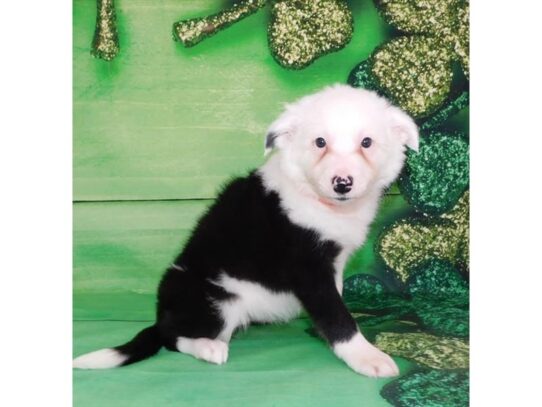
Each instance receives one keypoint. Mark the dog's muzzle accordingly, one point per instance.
(342, 185)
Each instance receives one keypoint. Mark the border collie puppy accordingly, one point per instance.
(276, 242)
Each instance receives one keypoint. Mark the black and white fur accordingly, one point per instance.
(276, 241)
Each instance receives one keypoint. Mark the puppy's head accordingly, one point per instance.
(342, 142)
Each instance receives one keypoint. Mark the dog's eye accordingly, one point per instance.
(320, 142)
(366, 142)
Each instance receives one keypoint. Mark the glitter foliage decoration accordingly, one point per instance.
(437, 279)
(300, 31)
(190, 32)
(440, 297)
(429, 388)
(436, 176)
(452, 106)
(435, 298)
(372, 303)
(413, 240)
(105, 44)
(448, 317)
(427, 350)
(415, 70)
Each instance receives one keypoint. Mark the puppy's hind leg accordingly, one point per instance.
(210, 350)
(188, 318)
(232, 316)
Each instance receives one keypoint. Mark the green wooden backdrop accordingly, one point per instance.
(160, 128)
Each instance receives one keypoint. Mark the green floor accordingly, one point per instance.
(288, 364)
(267, 366)
(156, 132)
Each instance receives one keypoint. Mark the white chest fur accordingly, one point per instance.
(347, 227)
(253, 303)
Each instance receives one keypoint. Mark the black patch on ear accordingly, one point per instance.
(270, 139)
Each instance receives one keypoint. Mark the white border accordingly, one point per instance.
(506, 266)
(35, 215)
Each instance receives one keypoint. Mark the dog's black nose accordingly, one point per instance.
(342, 185)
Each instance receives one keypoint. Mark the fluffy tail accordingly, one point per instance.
(144, 345)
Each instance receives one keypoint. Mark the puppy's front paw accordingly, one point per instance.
(365, 358)
(374, 363)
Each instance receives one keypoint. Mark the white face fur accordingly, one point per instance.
(341, 143)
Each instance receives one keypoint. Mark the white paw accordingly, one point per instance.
(365, 358)
(214, 351)
(210, 350)
(374, 363)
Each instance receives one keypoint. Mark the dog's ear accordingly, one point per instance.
(270, 141)
(279, 131)
(403, 126)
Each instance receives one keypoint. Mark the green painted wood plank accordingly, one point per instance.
(122, 248)
(161, 121)
(126, 246)
(113, 306)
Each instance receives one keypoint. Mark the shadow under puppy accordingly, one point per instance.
(276, 242)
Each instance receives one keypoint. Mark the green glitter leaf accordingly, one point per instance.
(451, 107)
(105, 44)
(372, 303)
(301, 31)
(192, 31)
(363, 292)
(362, 77)
(416, 73)
(361, 286)
(459, 215)
(460, 43)
(425, 349)
(440, 297)
(429, 388)
(419, 16)
(411, 241)
(437, 279)
(447, 317)
(435, 177)
(438, 300)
